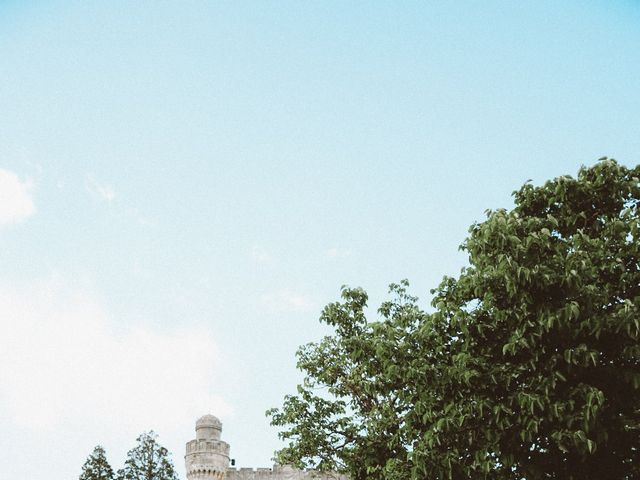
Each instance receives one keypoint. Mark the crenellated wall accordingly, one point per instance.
(279, 472)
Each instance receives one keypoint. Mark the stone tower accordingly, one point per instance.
(207, 457)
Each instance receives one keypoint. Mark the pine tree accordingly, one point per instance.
(147, 461)
(96, 467)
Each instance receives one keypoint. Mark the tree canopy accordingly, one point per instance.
(527, 365)
(148, 460)
(97, 467)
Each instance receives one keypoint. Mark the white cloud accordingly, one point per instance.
(71, 380)
(260, 255)
(287, 301)
(16, 201)
(103, 191)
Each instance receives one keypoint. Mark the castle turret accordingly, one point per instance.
(207, 457)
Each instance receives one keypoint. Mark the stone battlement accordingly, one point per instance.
(279, 472)
(207, 458)
(208, 445)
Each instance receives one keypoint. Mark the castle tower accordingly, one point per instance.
(207, 457)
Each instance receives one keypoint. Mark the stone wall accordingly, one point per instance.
(279, 473)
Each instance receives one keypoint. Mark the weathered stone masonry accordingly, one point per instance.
(207, 458)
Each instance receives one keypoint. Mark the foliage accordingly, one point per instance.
(97, 467)
(528, 366)
(147, 461)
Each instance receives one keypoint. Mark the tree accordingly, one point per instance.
(97, 467)
(526, 367)
(147, 461)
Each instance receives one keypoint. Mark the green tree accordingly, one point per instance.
(97, 467)
(527, 366)
(148, 460)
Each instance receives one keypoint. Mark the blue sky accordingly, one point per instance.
(184, 185)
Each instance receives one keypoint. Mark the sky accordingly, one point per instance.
(184, 186)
